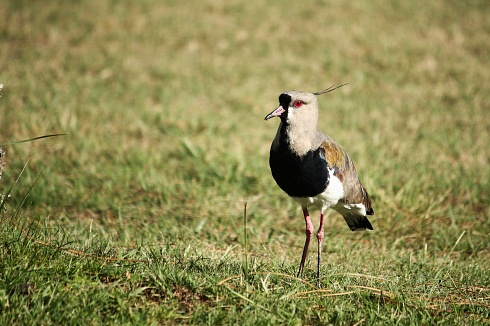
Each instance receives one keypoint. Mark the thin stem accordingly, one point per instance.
(245, 240)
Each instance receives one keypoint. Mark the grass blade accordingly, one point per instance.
(32, 139)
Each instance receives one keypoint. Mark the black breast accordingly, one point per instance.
(299, 176)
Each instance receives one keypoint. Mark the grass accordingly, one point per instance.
(137, 216)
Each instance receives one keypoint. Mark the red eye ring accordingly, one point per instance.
(298, 104)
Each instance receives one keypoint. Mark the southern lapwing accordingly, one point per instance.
(315, 170)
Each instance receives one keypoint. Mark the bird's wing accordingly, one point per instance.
(355, 204)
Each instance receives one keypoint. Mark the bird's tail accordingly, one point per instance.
(355, 216)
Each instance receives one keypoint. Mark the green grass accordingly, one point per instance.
(136, 216)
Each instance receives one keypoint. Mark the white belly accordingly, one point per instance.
(329, 197)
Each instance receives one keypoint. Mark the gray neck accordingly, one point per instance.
(299, 139)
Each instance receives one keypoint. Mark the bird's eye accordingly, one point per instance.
(298, 104)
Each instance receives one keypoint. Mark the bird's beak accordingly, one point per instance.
(276, 113)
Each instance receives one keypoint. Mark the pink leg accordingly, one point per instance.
(320, 236)
(309, 232)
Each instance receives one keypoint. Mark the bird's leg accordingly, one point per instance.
(309, 232)
(320, 236)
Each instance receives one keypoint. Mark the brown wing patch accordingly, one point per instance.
(334, 154)
(354, 191)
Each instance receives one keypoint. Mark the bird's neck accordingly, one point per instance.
(297, 138)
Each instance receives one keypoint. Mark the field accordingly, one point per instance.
(137, 214)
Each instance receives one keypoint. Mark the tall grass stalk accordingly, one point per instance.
(245, 240)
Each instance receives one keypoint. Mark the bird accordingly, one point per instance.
(314, 170)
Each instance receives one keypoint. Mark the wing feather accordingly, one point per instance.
(344, 169)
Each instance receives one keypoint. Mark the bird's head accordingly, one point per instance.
(297, 107)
